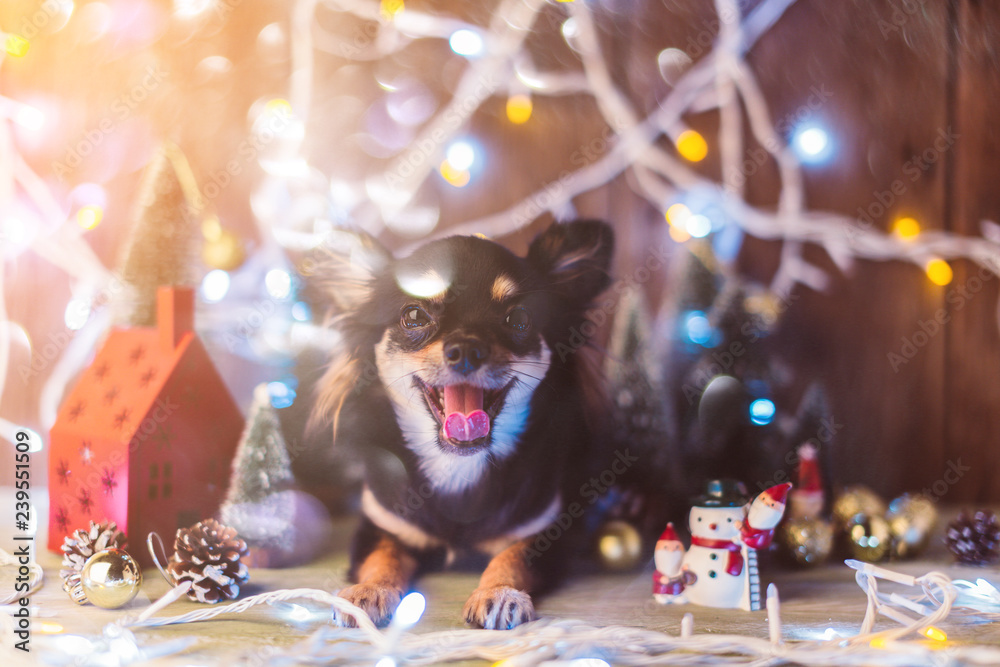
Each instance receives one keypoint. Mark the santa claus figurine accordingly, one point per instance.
(670, 578)
(726, 531)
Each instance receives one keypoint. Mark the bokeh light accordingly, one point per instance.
(762, 411)
(77, 313)
(278, 283)
(698, 226)
(214, 285)
(906, 228)
(692, 146)
(89, 216)
(697, 328)
(939, 272)
(458, 178)
(812, 144)
(519, 108)
(461, 155)
(466, 43)
(16, 46)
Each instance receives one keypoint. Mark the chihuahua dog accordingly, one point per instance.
(460, 387)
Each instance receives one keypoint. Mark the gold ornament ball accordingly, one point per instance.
(856, 500)
(868, 537)
(110, 578)
(808, 541)
(619, 545)
(911, 522)
(224, 251)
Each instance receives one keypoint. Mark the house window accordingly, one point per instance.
(167, 490)
(154, 471)
(152, 491)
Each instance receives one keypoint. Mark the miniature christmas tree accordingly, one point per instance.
(162, 247)
(260, 503)
(635, 388)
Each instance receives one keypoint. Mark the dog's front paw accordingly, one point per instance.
(377, 600)
(500, 608)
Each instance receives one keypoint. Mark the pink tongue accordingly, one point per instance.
(464, 420)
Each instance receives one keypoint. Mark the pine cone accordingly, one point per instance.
(80, 546)
(208, 555)
(974, 540)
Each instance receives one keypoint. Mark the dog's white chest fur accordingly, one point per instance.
(448, 472)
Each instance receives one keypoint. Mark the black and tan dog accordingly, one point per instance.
(461, 387)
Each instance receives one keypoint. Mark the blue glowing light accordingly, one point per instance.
(697, 328)
(461, 155)
(762, 411)
(301, 311)
(698, 226)
(281, 394)
(466, 43)
(410, 609)
(812, 144)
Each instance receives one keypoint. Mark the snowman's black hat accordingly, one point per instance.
(723, 493)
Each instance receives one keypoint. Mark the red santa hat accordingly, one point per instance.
(777, 493)
(669, 534)
(808, 473)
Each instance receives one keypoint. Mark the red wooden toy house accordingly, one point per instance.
(146, 437)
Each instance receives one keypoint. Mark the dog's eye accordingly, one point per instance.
(519, 319)
(415, 317)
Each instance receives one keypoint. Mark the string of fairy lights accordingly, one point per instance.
(914, 637)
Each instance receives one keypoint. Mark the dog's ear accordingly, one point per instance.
(345, 266)
(576, 256)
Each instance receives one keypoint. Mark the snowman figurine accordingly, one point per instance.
(726, 531)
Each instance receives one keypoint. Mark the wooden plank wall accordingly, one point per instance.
(910, 93)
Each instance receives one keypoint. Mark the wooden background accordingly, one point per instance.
(900, 72)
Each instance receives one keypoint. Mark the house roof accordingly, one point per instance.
(122, 384)
(131, 369)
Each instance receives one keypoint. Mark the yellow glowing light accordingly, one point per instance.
(16, 46)
(519, 108)
(89, 216)
(906, 228)
(50, 628)
(278, 107)
(677, 215)
(480, 235)
(211, 229)
(933, 633)
(692, 146)
(939, 272)
(679, 235)
(456, 177)
(878, 642)
(390, 8)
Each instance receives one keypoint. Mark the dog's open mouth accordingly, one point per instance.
(464, 412)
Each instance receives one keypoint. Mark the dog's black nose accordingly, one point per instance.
(465, 355)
